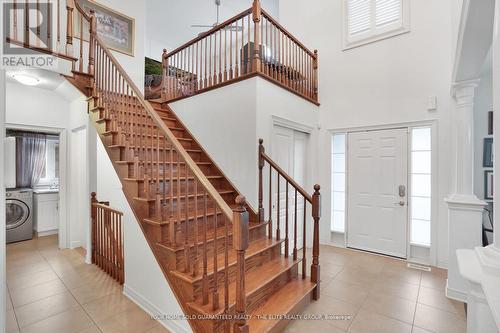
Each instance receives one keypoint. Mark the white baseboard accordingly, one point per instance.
(457, 295)
(152, 310)
(47, 233)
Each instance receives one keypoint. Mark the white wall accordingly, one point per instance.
(229, 121)
(144, 280)
(386, 82)
(168, 22)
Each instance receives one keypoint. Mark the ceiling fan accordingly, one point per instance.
(217, 4)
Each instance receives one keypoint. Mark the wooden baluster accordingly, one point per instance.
(193, 70)
(261, 185)
(92, 31)
(249, 48)
(210, 76)
(236, 52)
(226, 274)
(243, 68)
(315, 267)
(225, 54)
(215, 294)
(315, 79)
(80, 60)
(257, 15)
(270, 226)
(187, 260)
(282, 57)
(158, 183)
(220, 57)
(278, 220)
(58, 24)
(93, 217)
(286, 222)
(164, 189)
(205, 77)
(179, 197)
(231, 51)
(164, 66)
(14, 19)
(69, 27)
(304, 244)
(240, 245)
(198, 77)
(295, 228)
(26, 23)
(204, 282)
(196, 249)
(49, 24)
(38, 32)
(171, 184)
(215, 60)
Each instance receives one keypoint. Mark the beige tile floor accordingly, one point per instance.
(55, 291)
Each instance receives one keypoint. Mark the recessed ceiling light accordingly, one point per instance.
(26, 79)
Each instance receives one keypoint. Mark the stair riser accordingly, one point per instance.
(254, 234)
(173, 187)
(195, 288)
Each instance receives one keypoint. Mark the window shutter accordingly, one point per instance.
(387, 12)
(359, 16)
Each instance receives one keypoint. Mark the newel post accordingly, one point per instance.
(240, 245)
(262, 151)
(93, 216)
(70, 6)
(316, 214)
(315, 68)
(164, 64)
(92, 31)
(257, 15)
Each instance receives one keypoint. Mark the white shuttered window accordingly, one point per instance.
(366, 21)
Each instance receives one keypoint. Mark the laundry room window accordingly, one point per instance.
(420, 196)
(338, 182)
(50, 174)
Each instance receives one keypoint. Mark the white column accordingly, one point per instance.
(464, 208)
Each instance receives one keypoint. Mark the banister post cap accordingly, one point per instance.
(317, 187)
(240, 200)
(261, 141)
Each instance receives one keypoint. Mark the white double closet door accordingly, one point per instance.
(289, 151)
(377, 198)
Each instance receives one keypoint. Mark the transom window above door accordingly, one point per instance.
(366, 21)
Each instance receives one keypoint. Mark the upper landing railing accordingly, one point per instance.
(248, 44)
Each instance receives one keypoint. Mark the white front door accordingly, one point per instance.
(289, 150)
(377, 212)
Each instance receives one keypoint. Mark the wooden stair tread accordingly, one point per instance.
(221, 234)
(174, 178)
(255, 279)
(200, 215)
(283, 301)
(255, 247)
(182, 196)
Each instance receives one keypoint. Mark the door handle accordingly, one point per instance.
(401, 203)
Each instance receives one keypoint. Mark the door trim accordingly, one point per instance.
(435, 202)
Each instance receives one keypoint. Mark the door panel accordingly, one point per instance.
(377, 215)
(289, 151)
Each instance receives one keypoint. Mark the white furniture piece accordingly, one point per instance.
(10, 162)
(46, 207)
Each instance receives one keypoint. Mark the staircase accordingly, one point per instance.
(228, 265)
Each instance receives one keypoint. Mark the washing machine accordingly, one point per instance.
(19, 215)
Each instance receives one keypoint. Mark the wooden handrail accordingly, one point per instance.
(289, 179)
(249, 44)
(292, 37)
(212, 192)
(211, 31)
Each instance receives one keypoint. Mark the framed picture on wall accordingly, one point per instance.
(116, 30)
(488, 153)
(488, 185)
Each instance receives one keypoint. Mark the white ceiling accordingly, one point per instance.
(169, 21)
